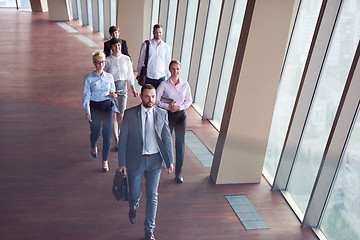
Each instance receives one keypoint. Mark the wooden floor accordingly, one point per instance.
(51, 187)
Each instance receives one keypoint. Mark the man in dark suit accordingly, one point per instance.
(144, 143)
(115, 33)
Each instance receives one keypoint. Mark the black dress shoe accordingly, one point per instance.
(149, 236)
(179, 179)
(133, 216)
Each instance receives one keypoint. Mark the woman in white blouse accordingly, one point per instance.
(120, 66)
(174, 95)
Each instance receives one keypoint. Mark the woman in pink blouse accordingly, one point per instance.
(174, 95)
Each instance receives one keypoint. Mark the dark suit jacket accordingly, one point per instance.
(124, 48)
(131, 142)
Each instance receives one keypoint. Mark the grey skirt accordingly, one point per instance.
(120, 101)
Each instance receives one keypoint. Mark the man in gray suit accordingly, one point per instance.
(145, 141)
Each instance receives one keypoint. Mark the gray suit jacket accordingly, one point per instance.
(131, 142)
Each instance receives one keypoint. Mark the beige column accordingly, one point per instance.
(179, 29)
(39, 5)
(241, 146)
(133, 18)
(58, 10)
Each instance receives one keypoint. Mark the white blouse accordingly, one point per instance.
(120, 67)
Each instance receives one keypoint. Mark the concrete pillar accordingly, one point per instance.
(39, 5)
(133, 18)
(58, 10)
(241, 146)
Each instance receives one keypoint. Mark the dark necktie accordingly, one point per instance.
(147, 131)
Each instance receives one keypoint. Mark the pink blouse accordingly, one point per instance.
(168, 92)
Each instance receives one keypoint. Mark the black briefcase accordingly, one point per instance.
(120, 187)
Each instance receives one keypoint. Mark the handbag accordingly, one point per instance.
(142, 76)
(120, 186)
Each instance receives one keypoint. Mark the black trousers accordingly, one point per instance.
(177, 122)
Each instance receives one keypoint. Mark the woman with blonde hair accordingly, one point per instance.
(174, 95)
(99, 89)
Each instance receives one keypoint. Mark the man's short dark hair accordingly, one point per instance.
(114, 29)
(157, 26)
(146, 86)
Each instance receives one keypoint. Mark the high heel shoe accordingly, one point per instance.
(105, 166)
(94, 154)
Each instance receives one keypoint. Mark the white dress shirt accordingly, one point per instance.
(153, 146)
(158, 61)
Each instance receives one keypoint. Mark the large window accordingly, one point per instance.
(101, 16)
(113, 12)
(8, 3)
(90, 16)
(289, 83)
(207, 52)
(78, 6)
(325, 103)
(341, 218)
(231, 46)
(154, 15)
(12, 3)
(171, 21)
(188, 38)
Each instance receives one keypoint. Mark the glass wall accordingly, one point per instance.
(341, 217)
(101, 16)
(289, 83)
(231, 46)
(113, 12)
(7, 3)
(188, 38)
(78, 7)
(89, 9)
(207, 52)
(25, 4)
(325, 103)
(171, 21)
(154, 15)
(12, 3)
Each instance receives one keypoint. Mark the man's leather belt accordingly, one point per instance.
(148, 155)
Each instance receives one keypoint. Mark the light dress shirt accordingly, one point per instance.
(153, 146)
(179, 93)
(120, 67)
(97, 88)
(159, 59)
